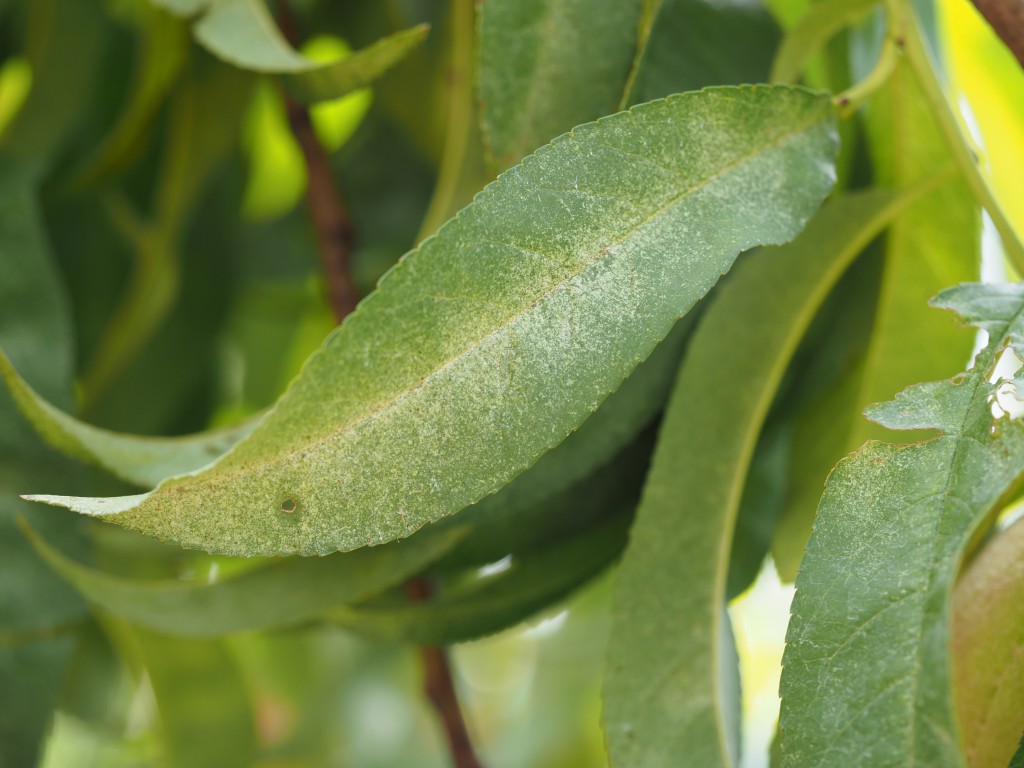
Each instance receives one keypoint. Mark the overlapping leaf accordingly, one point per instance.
(271, 596)
(934, 244)
(687, 44)
(163, 47)
(547, 65)
(665, 700)
(532, 581)
(869, 639)
(64, 42)
(492, 341)
(199, 692)
(243, 33)
(143, 461)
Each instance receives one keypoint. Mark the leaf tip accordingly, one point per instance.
(96, 507)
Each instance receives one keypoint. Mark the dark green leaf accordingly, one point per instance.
(271, 596)
(196, 145)
(30, 678)
(163, 47)
(34, 328)
(827, 382)
(495, 531)
(695, 43)
(1018, 756)
(764, 493)
(508, 328)
(490, 604)
(547, 65)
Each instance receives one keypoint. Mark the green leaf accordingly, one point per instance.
(266, 597)
(869, 638)
(357, 70)
(30, 678)
(689, 44)
(663, 694)
(506, 329)
(182, 7)
(243, 33)
(35, 328)
(934, 244)
(163, 49)
(489, 604)
(206, 718)
(533, 506)
(764, 493)
(828, 384)
(143, 461)
(547, 65)
(201, 133)
(497, 530)
(815, 28)
(1018, 756)
(65, 42)
(988, 665)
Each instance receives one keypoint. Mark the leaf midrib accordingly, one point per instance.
(389, 404)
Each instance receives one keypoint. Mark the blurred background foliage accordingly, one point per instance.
(159, 275)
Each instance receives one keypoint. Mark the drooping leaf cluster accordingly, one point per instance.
(554, 367)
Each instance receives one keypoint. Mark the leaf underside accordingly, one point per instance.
(493, 340)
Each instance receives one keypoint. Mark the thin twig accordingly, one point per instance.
(440, 689)
(331, 221)
(1006, 17)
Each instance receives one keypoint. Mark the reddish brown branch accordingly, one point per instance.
(1006, 17)
(331, 222)
(440, 690)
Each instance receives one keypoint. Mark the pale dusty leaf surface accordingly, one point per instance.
(493, 340)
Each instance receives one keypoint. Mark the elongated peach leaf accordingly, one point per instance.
(493, 340)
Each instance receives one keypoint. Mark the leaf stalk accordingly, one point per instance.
(850, 100)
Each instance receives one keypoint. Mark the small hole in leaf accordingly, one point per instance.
(289, 505)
